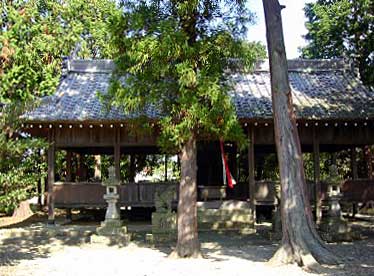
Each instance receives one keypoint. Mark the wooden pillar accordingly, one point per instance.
(369, 160)
(132, 172)
(251, 172)
(80, 173)
(41, 182)
(68, 179)
(317, 177)
(97, 172)
(354, 175)
(354, 163)
(68, 166)
(166, 168)
(117, 156)
(51, 176)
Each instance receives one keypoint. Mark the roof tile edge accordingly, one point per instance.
(308, 65)
(298, 65)
(91, 65)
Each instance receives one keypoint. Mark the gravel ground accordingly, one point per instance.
(38, 250)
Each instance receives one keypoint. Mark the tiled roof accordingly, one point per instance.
(325, 90)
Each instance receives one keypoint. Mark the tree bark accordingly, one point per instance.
(300, 243)
(188, 243)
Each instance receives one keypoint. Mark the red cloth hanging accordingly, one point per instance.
(226, 167)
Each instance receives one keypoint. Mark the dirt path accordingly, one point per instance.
(38, 250)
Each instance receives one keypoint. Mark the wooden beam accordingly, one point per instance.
(251, 172)
(51, 176)
(117, 156)
(317, 176)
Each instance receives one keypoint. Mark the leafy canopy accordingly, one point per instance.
(342, 28)
(35, 35)
(176, 56)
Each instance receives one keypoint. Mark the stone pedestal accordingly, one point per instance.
(164, 226)
(334, 227)
(111, 230)
(225, 216)
(164, 220)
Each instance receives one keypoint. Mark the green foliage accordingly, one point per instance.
(21, 166)
(35, 35)
(175, 55)
(342, 28)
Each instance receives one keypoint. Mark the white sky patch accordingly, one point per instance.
(293, 24)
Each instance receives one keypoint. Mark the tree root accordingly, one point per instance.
(304, 258)
(195, 255)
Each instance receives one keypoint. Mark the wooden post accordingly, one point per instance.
(132, 172)
(51, 176)
(317, 176)
(369, 162)
(68, 166)
(166, 168)
(354, 175)
(354, 163)
(41, 183)
(117, 156)
(68, 179)
(251, 172)
(79, 175)
(97, 173)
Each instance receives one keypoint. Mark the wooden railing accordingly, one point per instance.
(88, 194)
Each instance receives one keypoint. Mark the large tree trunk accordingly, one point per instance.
(300, 242)
(188, 243)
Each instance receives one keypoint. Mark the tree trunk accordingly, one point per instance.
(188, 243)
(300, 242)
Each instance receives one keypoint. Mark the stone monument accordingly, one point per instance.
(164, 220)
(112, 228)
(333, 226)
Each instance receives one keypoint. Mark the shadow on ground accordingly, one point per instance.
(33, 239)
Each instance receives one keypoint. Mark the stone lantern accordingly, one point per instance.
(111, 229)
(111, 197)
(333, 226)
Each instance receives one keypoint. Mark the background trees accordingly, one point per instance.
(175, 54)
(34, 38)
(342, 28)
